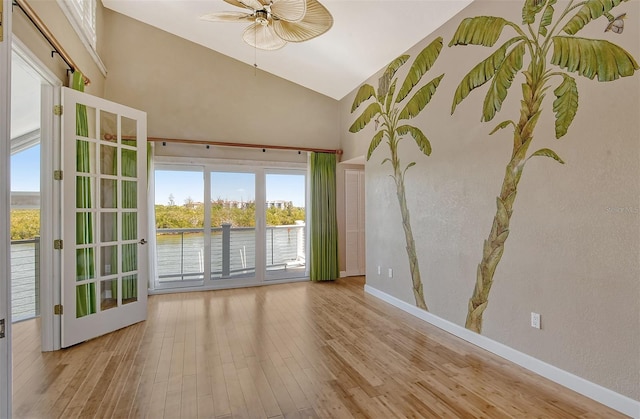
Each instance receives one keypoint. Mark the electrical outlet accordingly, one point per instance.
(379, 271)
(390, 273)
(535, 320)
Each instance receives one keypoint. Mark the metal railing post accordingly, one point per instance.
(272, 246)
(300, 250)
(226, 249)
(36, 274)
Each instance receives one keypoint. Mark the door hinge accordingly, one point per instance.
(57, 244)
(57, 110)
(1, 23)
(57, 309)
(1, 328)
(57, 175)
(1, 30)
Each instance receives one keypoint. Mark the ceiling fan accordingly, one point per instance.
(276, 22)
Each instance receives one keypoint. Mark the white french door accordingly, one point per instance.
(105, 268)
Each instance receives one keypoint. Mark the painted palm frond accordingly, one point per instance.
(590, 58)
(365, 93)
(530, 9)
(387, 76)
(481, 30)
(385, 110)
(421, 140)
(591, 10)
(482, 72)
(545, 152)
(547, 18)
(375, 142)
(372, 110)
(422, 97)
(423, 63)
(502, 80)
(566, 104)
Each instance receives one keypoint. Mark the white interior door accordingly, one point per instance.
(105, 269)
(5, 273)
(354, 222)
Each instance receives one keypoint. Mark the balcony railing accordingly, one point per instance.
(25, 279)
(180, 257)
(180, 252)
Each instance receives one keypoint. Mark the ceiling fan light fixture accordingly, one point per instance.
(263, 37)
(262, 17)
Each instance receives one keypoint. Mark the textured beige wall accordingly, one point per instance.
(52, 16)
(191, 92)
(573, 251)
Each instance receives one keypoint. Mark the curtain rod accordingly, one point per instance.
(46, 33)
(262, 146)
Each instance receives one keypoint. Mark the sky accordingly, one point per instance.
(227, 186)
(25, 176)
(25, 170)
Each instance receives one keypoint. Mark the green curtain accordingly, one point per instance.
(324, 224)
(85, 266)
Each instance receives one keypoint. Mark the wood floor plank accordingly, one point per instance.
(298, 350)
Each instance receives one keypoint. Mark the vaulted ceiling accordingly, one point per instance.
(366, 36)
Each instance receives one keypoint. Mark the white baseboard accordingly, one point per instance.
(616, 401)
(343, 274)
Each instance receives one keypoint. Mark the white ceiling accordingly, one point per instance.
(365, 37)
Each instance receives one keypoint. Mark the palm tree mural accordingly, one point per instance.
(389, 117)
(553, 53)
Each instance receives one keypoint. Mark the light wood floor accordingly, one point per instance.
(302, 350)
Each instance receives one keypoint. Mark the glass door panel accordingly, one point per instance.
(179, 227)
(233, 222)
(285, 221)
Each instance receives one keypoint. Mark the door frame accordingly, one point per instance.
(50, 225)
(5, 202)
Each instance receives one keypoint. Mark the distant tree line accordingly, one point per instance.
(191, 215)
(25, 223)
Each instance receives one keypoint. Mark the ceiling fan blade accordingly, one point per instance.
(247, 4)
(227, 17)
(262, 37)
(289, 10)
(316, 21)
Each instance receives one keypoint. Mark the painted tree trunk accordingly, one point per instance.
(494, 245)
(418, 292)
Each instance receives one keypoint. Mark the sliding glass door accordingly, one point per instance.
(229, 226)
(180, 233)
(285, 225)
(233, 225)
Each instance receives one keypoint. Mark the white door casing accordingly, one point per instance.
(105, 268)
(5, 187)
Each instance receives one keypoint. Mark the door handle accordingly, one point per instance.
(143, 241)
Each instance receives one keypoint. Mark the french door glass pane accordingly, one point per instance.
(285, 232)
(233, 221)
(108, 294)
(129, 131)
